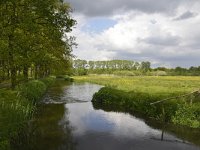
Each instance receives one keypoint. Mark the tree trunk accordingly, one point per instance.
(36, 72)
(13, 77)
(25, 73)
(19, 72)
(8, 74)
(11, 46)
(31, 72)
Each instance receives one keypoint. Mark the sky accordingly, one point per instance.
(164, 32)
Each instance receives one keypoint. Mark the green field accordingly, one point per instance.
(164, 85)
(137, 93)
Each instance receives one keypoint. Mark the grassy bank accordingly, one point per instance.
(135, 94)
(17, 108)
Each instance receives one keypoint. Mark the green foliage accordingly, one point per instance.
(68, 78)
(134, 94)
(34, 38)
(127, 73)
(112, 99)
(4, 144)
(80, 72)
(33, 90)
(82, 67)
(188, 115)
(166, 86)
(129, 68)
(65, 77)
(48, 80)
(158, 73)
(128, 101)
(145, 66)
(15, 112)
(124, 73)
(17, 109)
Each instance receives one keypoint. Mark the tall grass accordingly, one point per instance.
(164, 85)
(17, 108)
(136, 93)
(32, 90)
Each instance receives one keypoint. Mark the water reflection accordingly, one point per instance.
(69, 121)
(96, 129)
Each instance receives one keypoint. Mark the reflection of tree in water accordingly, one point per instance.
(56, 92)
(184, 133)
(49, 131)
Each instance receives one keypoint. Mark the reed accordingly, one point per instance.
(17, 108)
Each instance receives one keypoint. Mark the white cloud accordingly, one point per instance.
(137, 35)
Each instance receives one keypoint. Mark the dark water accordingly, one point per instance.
(68, 121)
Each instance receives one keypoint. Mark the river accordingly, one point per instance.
(68, 121)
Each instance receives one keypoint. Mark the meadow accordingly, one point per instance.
(162, 85)
(135, 94)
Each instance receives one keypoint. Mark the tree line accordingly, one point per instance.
(130, 68)
(33, 40)
(84, 67)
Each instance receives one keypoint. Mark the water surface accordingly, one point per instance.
(68, 121)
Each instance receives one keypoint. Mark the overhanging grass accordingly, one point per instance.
(136, 93)
(17, 108)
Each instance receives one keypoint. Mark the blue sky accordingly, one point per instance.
(166, 33)
(98, 25)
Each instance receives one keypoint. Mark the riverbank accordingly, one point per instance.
(135, 94)
(17, 108)
(68, 120)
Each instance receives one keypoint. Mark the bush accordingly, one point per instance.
(158, 73)
(17, 108)
(15, 112)
(68, 78)
(48, 81)
(33, 90)
(65, 77)
(109, 98)
(188, 115)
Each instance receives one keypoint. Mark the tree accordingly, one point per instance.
(145, 66)
(34, 34)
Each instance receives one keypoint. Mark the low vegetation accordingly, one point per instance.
(135, 94)
(65, 77)
(17, 108)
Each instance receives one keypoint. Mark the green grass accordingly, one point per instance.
(15, 111)
(165, 85)
(17, 108)
(134, 94)
(65, 77)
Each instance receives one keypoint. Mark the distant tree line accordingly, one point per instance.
(33, 39)
(82, 67)
(129, 68)
(180, 71)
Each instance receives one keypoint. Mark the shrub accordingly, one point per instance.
(139, 102)
(48, 81)
(17, 108)
(32, 90)
(158, 73)
(15, 112)
(187, 115)
(65, 77)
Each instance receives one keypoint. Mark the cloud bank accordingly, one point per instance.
(164, 32)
